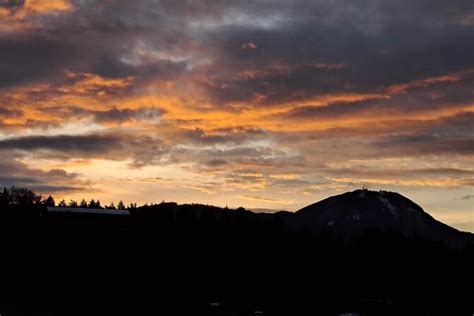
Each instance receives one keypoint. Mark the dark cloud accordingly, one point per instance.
(446, 136)
(11, 4)
(215, 162)
(380, 44)
(63, 143)
(424, 97)
(377, 44)
(426, 144)
(9, 112)
(236, 136)
(122, 115)
(16, 173)
(115, 115)
(451, 135)
(140, 149)
(95, 37)
(28, 58)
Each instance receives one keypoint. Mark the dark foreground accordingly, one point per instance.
(199, 260)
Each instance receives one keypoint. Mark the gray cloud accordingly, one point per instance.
(380, 44)
(299, 50)
(11, 3)
(29, 58)
(139, 148)
(63, 143)
(425, 144)
(5, 112)
(215, 162)
(433, 96)
(446, 136)
(236, 136)
(122, 115)
(16, 173)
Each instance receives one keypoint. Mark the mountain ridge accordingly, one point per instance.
(352, 213)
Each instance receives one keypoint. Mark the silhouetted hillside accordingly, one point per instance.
(351, 214)
(171, 259)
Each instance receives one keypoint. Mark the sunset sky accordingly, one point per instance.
(261, 104)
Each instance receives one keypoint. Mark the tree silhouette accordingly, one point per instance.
(62, 203)
(5, 197)
(83, 204)
(94, 204)
(120, 205)
(49, 202)
(91, 204)
(23, 197)
(111, 206)
(73, 204)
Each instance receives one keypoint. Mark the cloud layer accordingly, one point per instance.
(266, 104)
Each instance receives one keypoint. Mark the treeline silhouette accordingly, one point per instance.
(170, 259)
(23, 197)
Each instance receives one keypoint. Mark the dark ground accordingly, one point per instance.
(199, 260)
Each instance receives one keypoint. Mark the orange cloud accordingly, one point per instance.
(191, 109)
(19, 19)
(86, 83)
(48, 6)
(452, 77)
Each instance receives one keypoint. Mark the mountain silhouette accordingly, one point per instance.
(351, 214)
